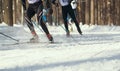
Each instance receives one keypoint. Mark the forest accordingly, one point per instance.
(91, 12)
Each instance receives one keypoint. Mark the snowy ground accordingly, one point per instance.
(98, 49)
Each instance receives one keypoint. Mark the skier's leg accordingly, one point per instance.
(29, 14)
(64, 14)
(69, 22)
(72, 14)
(42, 24)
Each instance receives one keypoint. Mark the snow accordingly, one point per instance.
(98, 49)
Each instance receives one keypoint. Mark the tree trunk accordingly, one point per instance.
(87, 12)
(83, 11)
(92, 12)
(96, 11)
(48, 5)
(8, 12)
(0, 11)
(119, 11)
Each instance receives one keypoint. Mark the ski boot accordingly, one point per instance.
(34, 39)
(68, 34)
(49, 36)
(80, 32)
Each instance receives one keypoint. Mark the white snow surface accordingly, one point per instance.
(98, 49)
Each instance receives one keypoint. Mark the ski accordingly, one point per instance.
(28, 42)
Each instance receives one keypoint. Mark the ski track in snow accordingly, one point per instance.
(98, 49)
(73, 40)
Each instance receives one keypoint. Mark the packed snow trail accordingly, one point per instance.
(98, 49)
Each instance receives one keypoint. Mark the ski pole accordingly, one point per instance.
(66, 31)
(37, 26)
(33, 23)
(9, 37)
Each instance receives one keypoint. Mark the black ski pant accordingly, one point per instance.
(33, 9)
(68, 10)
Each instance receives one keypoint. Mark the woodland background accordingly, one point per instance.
(91, 12)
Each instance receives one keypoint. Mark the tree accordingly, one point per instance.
(8, 12)
(0, 11)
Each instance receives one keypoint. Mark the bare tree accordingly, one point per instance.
(8, 12)
(0, 11)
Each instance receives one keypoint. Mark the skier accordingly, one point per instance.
(35, 7)
(67, 9)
